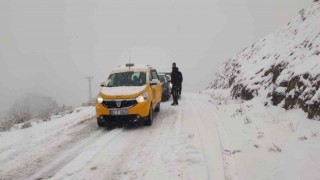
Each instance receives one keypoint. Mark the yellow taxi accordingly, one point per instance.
(130, 95)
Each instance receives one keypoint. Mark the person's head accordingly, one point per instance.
(174, 65)
(135, 78)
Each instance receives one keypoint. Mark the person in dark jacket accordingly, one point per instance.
(175, 80)
(180, 79)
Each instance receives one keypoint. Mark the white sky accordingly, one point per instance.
(49, 46)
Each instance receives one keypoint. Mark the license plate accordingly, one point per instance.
(119, 112)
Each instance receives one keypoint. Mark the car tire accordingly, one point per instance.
(100, 124)
(110, 126)
(157, 109)
(150, 117)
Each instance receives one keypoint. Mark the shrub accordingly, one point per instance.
(26, 125)
(302, 14)
(5, 125)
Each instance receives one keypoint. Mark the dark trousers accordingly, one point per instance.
(175, 91)
(179, 89)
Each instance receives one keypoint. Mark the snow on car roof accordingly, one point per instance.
(163, 74)
(131, 68)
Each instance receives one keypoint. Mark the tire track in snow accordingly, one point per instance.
(174, 156)
(230, 172)
(195, 111)
(150, 148)
(43, 139)
(117, 170)
(67, 156)
(212, 159)
(108, 160)
(84, 155)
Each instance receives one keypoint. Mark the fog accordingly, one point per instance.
(50, 46)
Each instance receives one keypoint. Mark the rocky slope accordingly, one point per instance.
(283, 68)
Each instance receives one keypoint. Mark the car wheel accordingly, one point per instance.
(100, 124)
(157, 108)
(150, 117)
(110, 126)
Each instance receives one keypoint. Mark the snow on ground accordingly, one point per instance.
(182, 143)
(268, 142)
(177, 146)
(205, 137)
(24, 151)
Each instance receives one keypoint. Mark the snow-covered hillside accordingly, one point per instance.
(282, 68)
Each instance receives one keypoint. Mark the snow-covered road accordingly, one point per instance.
(182, 143)
(205, 137)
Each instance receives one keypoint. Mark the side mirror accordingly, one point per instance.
(103, 84)
(154, 82)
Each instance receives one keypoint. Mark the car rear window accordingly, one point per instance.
(162, 78)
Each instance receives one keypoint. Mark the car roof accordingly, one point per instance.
(166, 73)
(132, 67)
(165, 69)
